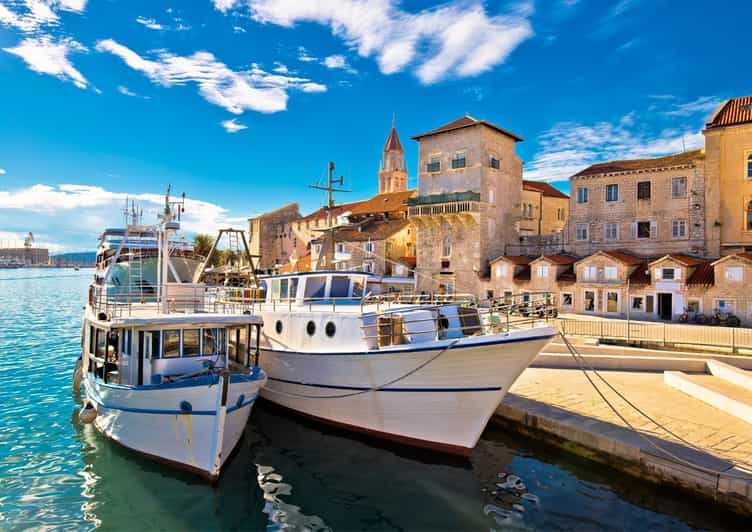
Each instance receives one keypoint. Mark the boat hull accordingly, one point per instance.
(444, 405)
(156, 421)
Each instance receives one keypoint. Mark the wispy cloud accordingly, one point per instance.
(77, 213)
(703, 104)
(232, 126)
(455, 39)
(30, 16)
(149, 23)
(338, 61)
(304, 56)
(237, 91)
(48, 56)
(568, 147)
(152, 24)
(2, 171)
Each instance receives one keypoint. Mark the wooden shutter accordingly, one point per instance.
(653, 230)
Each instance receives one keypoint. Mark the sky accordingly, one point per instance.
(241, 103)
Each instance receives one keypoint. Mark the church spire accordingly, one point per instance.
(392, 175)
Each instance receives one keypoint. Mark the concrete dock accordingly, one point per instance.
(559, 405)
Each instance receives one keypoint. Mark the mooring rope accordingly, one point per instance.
(372, 389)
(581, 362)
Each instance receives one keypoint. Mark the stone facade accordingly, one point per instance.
(544, 210)
(271, 236)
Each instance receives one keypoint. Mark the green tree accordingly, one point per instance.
(202, 245)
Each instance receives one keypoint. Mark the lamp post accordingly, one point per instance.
(629, 308)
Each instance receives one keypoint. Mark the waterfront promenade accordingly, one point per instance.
(555, 402)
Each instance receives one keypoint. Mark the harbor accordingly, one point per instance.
(287, 472)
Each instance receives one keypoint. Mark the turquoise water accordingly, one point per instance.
(287, 473)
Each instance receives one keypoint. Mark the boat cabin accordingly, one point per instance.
(325, 287)
(128, 353)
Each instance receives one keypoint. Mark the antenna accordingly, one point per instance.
(330, 190)
(684, 147)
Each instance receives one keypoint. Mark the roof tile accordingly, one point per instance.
(731, 113)
(630, 165)
(544, 188)
(466, 121)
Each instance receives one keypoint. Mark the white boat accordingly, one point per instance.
(426, 373)
(171, 376)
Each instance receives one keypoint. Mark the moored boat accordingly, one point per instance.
(170, 374)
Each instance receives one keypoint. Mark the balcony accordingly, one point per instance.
(453, 203)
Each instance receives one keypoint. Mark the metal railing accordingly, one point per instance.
(664, 334)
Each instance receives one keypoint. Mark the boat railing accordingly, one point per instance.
(513, 312)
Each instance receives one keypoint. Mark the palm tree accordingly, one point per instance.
(202, 245)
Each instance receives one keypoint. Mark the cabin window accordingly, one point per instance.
(210, 342)
(357, 288)
(278, 327)
(311, 328)
(330, 329)
(92, 339)
(126, 347)
(171, 344)
(190, 342)
(340, 286)
(275, 290)
(149, 349)
(315, 287)
(242, 344)
(237, 344)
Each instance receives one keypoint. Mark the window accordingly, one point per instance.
(368, 247)
(643, 229)
(314, 288)
(190, 342)
(591, 272)
(340, 265)
(491, 196)
(582, 195)
(357, 287)
(734, 273)
(434, 165)
(678, 187)
(589, 301)
(581, 232)
(458, 161)
(612, 302)
(610, 273)
(340, 247)
(542, 270)
(668, 274)
(171, 344)
(493, 162)
(612, 192)
(446, 246)
(368, 266)
(649, 303)
(611, 230)
(749, 216)
(678, 228)
(693, 306)
(637, 303)
(560, 214)
(501, 270)
(566, 300)
(749, 166)
(508, 297)
(210, 342)
(340, 286)
(643, 190)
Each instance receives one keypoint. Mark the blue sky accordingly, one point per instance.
(241, 103)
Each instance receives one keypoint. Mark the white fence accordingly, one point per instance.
(660, 333)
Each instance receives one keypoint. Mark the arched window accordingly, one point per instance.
(749, 166)
(749, 216)
(446, 246)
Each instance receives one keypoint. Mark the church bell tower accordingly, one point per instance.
(392, 173)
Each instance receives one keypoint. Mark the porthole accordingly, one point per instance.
(311, 328)
(278, 327)
(330, 329)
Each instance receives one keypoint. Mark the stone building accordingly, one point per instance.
(644, 206)
(468, 202)
(271, 237)
(544, 209)
(392, 172)
(728, 172)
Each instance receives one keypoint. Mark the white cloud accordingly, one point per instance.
(304, 56)
(232, 126)
(2, 171)
(335, 61)
(75, 214)
(238, 29)
(46, 56)
(149, 23)
(77, 6)
(280, 68)
(225, 5)
(454, 39)
(31, 15)
(703, 104)
(237, 91)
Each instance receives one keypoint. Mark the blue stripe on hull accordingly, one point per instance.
(174, 412)
(337, 387)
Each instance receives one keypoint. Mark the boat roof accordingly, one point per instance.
(320, 272)
(148, 318)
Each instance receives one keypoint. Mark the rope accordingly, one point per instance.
(581, 362)
(373, 389)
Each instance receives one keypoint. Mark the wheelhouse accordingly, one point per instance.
(324, 287)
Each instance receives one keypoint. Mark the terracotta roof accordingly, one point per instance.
(340, 209)
(387, 202)
(393, 142)
(703, 275)
(466, 121)
(568, 275)
(745, 256)
(630, 165)
(624, 258)
(560, 260)
(375, 230)
(685, 260)
(523, 274)
(731, 113)
(409, 261)
(543, 188)
(640, 275)
(518, 260)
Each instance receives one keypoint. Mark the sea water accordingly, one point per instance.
(287, 473)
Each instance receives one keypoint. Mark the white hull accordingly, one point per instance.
(444, 405)
(149, 420)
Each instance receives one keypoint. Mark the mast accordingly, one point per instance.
(330, 190)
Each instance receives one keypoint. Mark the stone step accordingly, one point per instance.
(722, 394)
(730, 373)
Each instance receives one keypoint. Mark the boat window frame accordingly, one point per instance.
(182, 342)
(163, 342)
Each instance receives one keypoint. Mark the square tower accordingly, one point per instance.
(468, 204)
